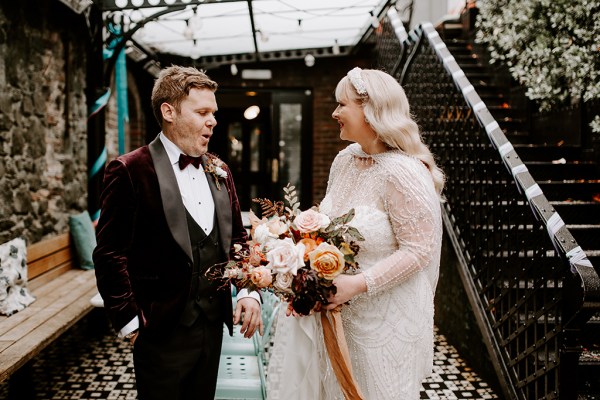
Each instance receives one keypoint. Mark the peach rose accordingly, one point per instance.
(309, 245)
(327, 260)
(311, 221)
(283, 282)
(261, 277)
(276, 226)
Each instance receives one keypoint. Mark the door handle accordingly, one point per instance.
(274, 170)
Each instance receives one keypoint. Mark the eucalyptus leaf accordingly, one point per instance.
(355, 233)
(348, 217)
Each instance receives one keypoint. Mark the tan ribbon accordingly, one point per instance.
(337, 348)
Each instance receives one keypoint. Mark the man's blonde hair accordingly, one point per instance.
(173, 85)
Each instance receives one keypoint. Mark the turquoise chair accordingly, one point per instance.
(243, 361)
(241, 377)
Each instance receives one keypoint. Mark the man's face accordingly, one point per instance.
(192, 127)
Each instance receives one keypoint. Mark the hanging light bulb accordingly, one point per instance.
(336, 48)
(234, 69)
(299, 28)
(195, 52)
(188, 33)
(196, 21)
(309, 60)
(263, 36)
(374, 21)
(251, 112)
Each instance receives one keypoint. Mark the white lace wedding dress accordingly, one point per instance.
(389, 329)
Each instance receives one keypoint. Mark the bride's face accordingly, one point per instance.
(351, 118)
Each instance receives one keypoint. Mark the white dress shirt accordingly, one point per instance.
(193, 185)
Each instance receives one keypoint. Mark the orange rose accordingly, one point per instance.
(327, 260)
(261, 277)
(309, 245)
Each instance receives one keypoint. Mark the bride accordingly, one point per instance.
(391, 180)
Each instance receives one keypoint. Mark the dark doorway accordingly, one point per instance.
(270, 150)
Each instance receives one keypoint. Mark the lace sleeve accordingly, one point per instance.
(414, 212)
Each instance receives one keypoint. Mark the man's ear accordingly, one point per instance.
(167, 112)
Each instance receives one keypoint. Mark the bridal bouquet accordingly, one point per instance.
(295, 254)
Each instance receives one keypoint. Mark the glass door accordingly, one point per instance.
(264, 137)
(291, 160)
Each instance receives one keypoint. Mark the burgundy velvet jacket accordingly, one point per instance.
(143, 260)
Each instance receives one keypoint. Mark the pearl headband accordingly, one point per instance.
(357, 81)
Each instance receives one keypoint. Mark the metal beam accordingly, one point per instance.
(251, 13)
(122, 39)
(211, 62)
(117, 5)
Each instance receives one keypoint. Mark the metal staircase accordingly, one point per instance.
(521, 216)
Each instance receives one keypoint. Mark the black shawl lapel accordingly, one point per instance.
(222, 207)
(171, 196)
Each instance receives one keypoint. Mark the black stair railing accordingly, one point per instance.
(530, 284)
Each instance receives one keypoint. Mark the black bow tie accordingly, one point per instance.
(185, 160)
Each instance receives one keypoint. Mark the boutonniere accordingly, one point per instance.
(214, 166)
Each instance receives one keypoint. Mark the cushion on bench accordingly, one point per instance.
(84, 238)
(14, 295)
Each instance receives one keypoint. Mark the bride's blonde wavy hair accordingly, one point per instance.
(387, 111)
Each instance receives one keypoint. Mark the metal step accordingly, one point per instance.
(587, 236)
(504, 110)
(579, 189)
(578, 212)
(557, 170)
(535, 152)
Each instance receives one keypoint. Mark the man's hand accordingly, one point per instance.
(132, 336)
(252, 316)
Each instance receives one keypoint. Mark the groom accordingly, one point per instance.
(164, 221)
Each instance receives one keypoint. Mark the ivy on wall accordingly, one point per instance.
(552, 47)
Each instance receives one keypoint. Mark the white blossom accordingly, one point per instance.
(550, 46)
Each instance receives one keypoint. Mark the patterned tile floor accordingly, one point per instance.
(88, 363)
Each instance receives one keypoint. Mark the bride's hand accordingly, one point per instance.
(290, 310)
(348, 286)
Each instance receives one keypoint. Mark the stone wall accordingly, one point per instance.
(43, 112)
